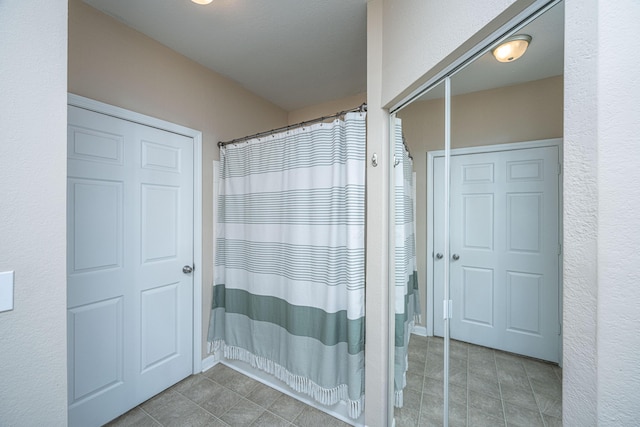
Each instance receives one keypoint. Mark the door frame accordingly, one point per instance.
(121, 113)
(431, 156)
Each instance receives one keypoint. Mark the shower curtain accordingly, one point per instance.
(407, 301)
(289, 269)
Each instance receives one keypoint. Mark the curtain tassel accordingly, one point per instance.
(298, 383)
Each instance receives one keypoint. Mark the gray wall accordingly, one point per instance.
(33, 152)
(602, 201)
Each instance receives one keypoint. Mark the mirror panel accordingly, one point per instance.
(421, 126)
(500, 259)
(505, 210)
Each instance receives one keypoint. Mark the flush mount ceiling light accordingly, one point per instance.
(512, 48)
(202, 1)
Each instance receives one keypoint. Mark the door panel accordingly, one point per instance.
(524, 318)
(504, 241)
(160, 324)
(160, 222)
(103, 318)
(477, 296)
(477, 221)
(96, 211)
(130, 222)
(524, 222)
(95, 145)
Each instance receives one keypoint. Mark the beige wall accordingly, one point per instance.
(326, 108)
(33, 170)
(112, 63)
(379, 347)
(420, 37)
(526, 112)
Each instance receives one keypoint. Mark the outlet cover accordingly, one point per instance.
(6, 291)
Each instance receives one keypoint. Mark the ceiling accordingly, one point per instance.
(298, 53)
(544, 58)
(293, 53)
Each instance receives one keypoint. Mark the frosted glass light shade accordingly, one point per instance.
(202, 1)
(512, 48)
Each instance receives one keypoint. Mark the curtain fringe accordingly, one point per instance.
(399, 401)
(299, 383)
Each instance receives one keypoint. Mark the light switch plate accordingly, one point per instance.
(6, 291)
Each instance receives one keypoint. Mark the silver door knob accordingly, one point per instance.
(439, 255)
(187, 269)
(455, 257)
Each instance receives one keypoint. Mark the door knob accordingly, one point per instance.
(455, 257)
(439, 255)
(187, 269)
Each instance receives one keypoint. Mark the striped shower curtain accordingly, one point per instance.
(407, 301)
(289, 269)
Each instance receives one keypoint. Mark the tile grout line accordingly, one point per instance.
(150, 416)
(174, 391)
(198, 405)
(239, 400)
(290, 423)
(424, 379)
(244, 397)
(504, 409)
(535, 396)
(468, 375)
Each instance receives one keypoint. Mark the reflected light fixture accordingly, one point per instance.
(202, 1)
(512, 48)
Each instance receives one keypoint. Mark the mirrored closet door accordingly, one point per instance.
(487, 147)
(419, 356)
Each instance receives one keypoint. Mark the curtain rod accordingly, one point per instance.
(362, 108)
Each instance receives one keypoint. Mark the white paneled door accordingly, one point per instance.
(130, 233)
(504, 251)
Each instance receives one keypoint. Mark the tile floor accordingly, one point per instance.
(486, 387)
(221, 397)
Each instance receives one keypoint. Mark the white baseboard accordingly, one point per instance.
(338, 410)
(419, 330)
(209, 362)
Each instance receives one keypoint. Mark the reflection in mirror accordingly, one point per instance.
(505, 227)
(407, 297)
(422, 124)
(506, 139)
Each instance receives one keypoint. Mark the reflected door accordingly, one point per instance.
(130, 232)
(504, 250)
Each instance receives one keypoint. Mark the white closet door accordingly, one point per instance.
(130, 232)
(504, 251)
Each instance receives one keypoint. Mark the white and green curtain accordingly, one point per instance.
(289, 268)
(407, 301)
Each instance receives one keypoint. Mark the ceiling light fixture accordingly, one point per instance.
(512, 48)
(202, 1)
